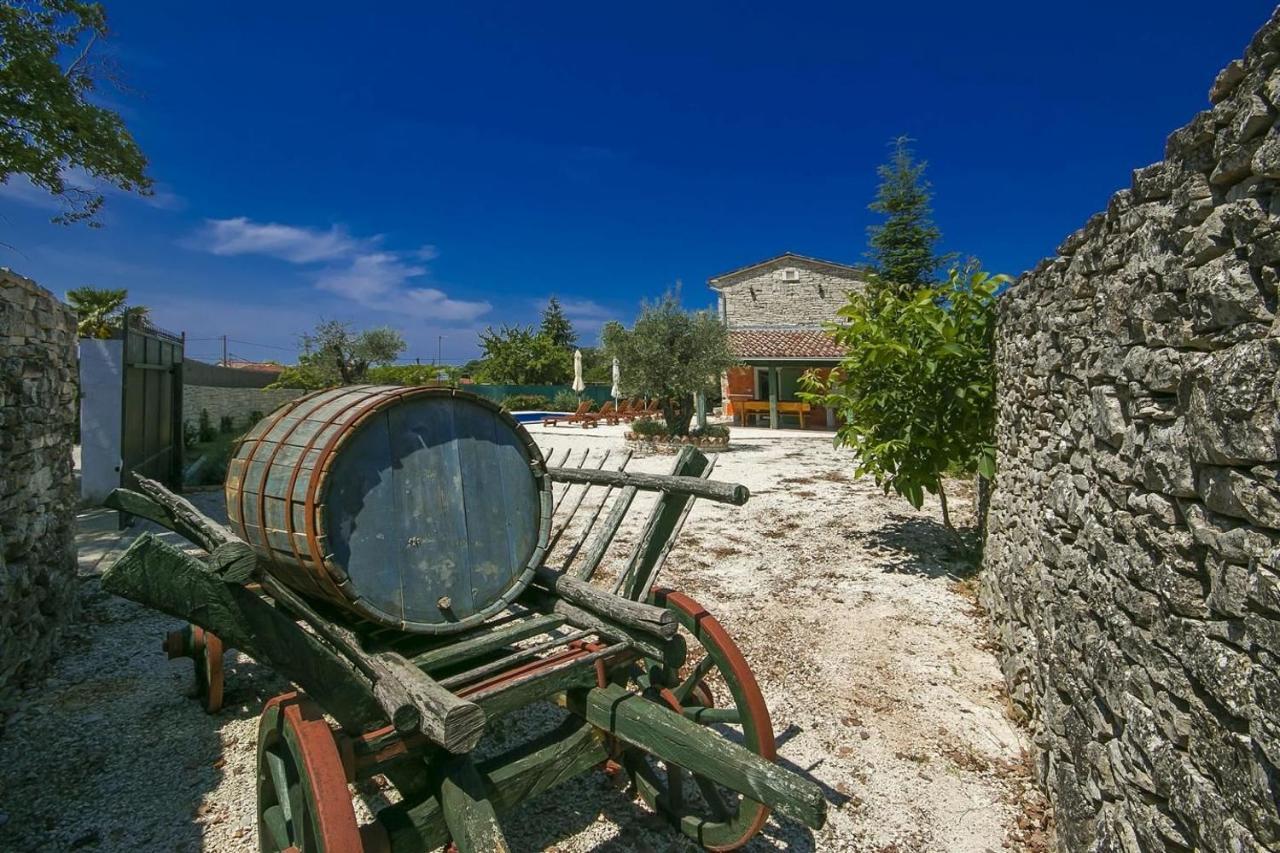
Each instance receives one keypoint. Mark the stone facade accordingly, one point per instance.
(237, 403)
(761, 295)
(37, 490)
(1133, 554)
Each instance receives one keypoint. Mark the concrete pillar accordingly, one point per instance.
(774, 382)
(700, 401)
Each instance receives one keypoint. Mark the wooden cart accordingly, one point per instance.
(653, 684)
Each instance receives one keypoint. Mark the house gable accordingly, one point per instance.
(787, 292)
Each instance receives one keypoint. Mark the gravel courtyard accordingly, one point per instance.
(847, 604)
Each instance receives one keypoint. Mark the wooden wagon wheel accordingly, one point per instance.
(303, 802)
(715, 817)
(205, 650)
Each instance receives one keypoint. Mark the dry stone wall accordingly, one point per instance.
(37, 491)
(1133, 553)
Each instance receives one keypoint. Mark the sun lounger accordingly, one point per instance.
(581, 416)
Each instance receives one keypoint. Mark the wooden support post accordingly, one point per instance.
(668, 736)
(464, 800)
(774, 380)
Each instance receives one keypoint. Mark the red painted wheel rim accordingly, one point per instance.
(757, 728)
(208, 661)
(303, 799)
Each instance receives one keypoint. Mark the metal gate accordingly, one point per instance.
(151, 437)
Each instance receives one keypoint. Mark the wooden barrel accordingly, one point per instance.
(426, 509)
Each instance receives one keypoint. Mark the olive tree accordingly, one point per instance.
(671, 354)
(333, 354)
(916, 391)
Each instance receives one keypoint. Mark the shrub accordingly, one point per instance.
(226, 424)
(205, 431)
(254, 417)
(526, 403)
(916, 391)
(711, 431)
(648, 426)
(190, 434)
(564, 401)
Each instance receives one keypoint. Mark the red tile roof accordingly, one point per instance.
(783, 343)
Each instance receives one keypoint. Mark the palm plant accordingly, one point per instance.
(101, 311)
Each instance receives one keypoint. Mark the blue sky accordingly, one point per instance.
(443, 167)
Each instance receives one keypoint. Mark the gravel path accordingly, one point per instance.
(869, 651)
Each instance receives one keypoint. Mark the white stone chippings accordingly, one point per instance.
(1143, 647)
(37, 491)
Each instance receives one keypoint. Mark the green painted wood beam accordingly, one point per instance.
(668, 736)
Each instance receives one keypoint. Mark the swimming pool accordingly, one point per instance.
(534, 417)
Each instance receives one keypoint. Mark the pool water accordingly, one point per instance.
(535, 417)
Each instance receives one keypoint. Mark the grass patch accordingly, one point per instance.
(216, 453)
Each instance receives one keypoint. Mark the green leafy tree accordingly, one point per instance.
(670, 354)
(516, 355)
(902, 247)
(916, 391)
(333, 354)
(47, 122)
(556, 326)
(100, 312)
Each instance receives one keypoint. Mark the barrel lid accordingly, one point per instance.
(433, 509)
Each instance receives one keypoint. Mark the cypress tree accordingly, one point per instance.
(901, 250)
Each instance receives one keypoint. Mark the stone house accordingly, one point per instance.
(775, 310)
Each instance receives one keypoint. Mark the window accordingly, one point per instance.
(791, 274)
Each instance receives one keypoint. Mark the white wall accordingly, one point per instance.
(101, 418)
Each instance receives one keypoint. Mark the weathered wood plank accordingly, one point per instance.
(464, 801)
(634, 614)
(659, 731)
(484, 641)
(410, 698)
(600, 545)
(171, 511)
(509, 779)
(577, 503)
(713, 490)
(164, 578)
(507, 661)
(670, 650)
(585, 533)
(661, 529)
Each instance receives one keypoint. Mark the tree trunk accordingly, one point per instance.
(946, 513)
(678, 413)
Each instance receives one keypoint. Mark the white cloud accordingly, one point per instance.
(355, 269)
(240, 236)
